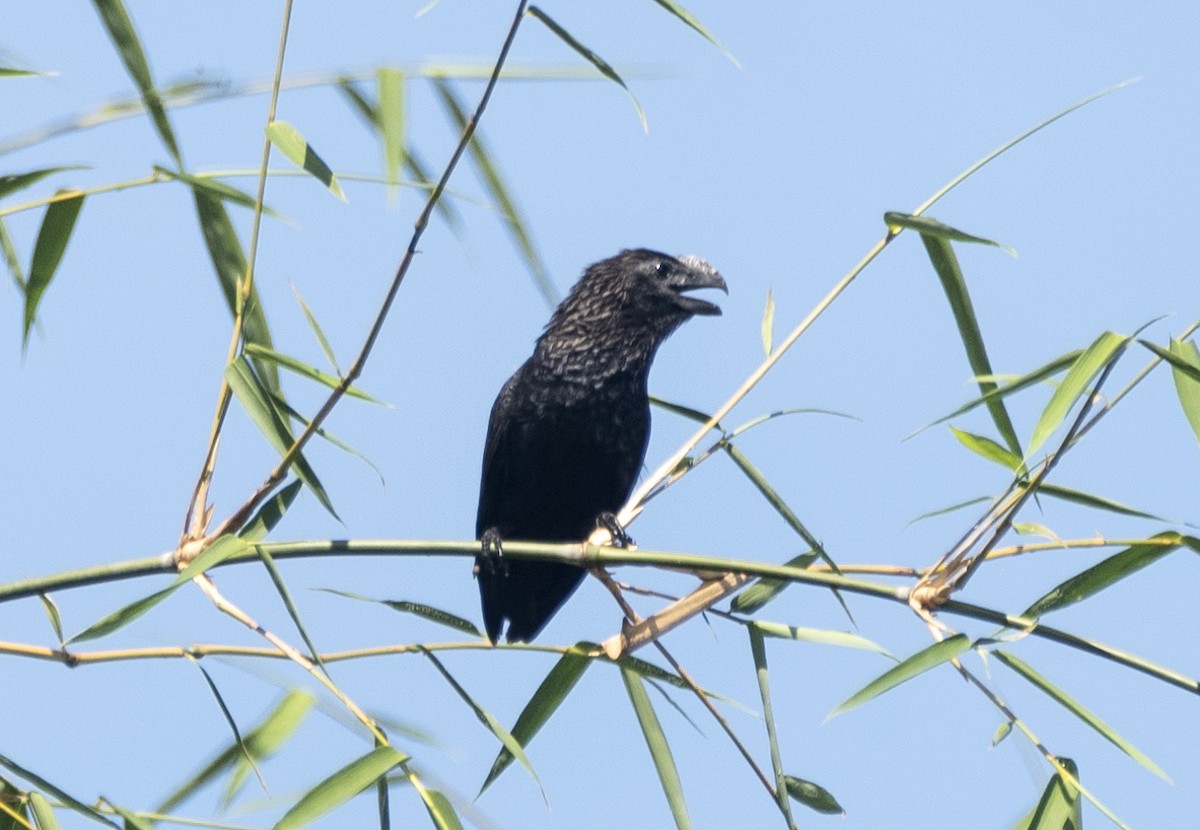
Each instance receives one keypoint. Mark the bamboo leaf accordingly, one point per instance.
(1100, 576)
(945, 263)
(1002, 732)
(758, 651)
(1098, 355)
(305, 370)
(656, 742)
(120, 30)
(1187, 383)
(439, 808)
(68, 800)
(919, 663)
(132, 821)
(43, 813)
(928, 226)
(122, 616)
(290, 604)
(550, 694)
(229, 263)
(989, 449)
(942, 511)
(813, 796)
(11, 260)
(1079, 710)
(510, 744)
(292, 144)
(14, 182)
(1059, 806)
(1089, 500)
(215, 187)
(326, 435)
(762, 591)
(427, 612)
(820, 636)
(52, 238)
(690, 19)
(315, 327)
(768, 325)
(602, 66)
(52, 614)
(340, 787)
(238, 742)
(392, 124)
(270, 513)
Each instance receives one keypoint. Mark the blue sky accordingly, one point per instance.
(778, 171)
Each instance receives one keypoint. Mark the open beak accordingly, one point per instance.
(695, 275)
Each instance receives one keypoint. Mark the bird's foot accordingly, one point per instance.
(620, 539)
(491, 554)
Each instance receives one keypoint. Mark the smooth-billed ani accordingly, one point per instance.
(568, 431)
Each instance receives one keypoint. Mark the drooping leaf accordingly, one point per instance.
(690, 19)
(270, 513)
(284, 361)
(1104, 574)
(292, 144)
(340, 787)
(813, 796)
(318, 333)
(660, 751)
(1089, 364)
(762, 591)
(919, 663)
(928, 226)
(51, 609)
(758, 651)
(550, 694)
(1089, 500)
(1187, 383)
(987, 448)
(1078, 710)
(391, 120)
(427, 612)
(215, 187)
(52, 238)
(602, 66)
(821, 636)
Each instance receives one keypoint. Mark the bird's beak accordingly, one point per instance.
(697, 274)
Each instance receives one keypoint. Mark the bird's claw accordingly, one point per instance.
(491, 554)
(620, 539)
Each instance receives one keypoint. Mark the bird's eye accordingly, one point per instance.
(662, 270)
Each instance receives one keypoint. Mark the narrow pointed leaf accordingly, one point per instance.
(440, 810)
(1100, 576)
(690, 19)
(1088, 500)
(132, 821)
(813, 796)
(762, 591)
(215, 187)
(928, 226)
(121, 617)
(602, 66)
(43, 813)
(68, 801)
(14, 182)
(51, 609)
(1059, 806)
(270, 513)
(290, 604)
(758, 651)
(318, 333)
(768, 325)
(1002, 732)
(246, 754)
(820, 636)
(340, 787)
(1079, 710)
(1000, 392)
(289, 141)
(919, 663)
(120, 30)
(945, 263)
(1187, 384)
(326, 435)
(11, 260)
(987, 448)
(656, 742)
(246, 386)
(1075, 384)
(942, 511)
(305, 370)
(55, 232)
(487, 719)
(229, 263)
(550, 694)
(391, 120)
(427, 612)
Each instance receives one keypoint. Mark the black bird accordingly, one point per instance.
(568, 431)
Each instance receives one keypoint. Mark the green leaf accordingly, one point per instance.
(768, 325)
(656, 742)
(945, 263)
(315, 327)
(928, 226)
(1059, 806)
(262, 353)
(121, 617)
(821, 636)
(124, 37)
(246, 386)
(132, 821)
(1093, 360)
(550, 693)
(340, 787)
(427, 612)
(261, 742)
(1002, 732)
(591, 57)
(440, 809)
(215, 187)
(1000, 392)
(67, 800)
(221, 549)
(1088, 500)
(1187, 384)
(14, 182)
(813, 796)
(1100, 576)
(989, 449)
(1079, 710)
(690, 19)
(325, 434)
(942, 511)
(11, 260)
(52, 614)
(289, 141)
(290, 604)
(758, 651)
(48, 251)
(229, 263)
(510, 744)
(270, 513)
(43, 813)
(919, 663)
(391, 120)
(762, 591)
